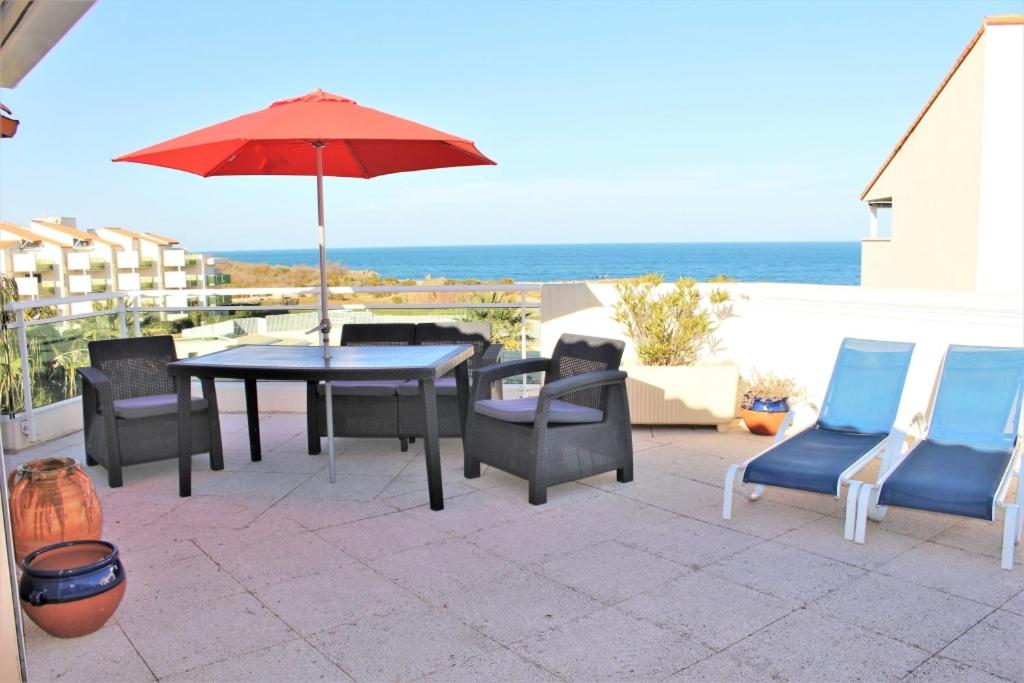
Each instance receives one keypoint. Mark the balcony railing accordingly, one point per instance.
(146, 262)
(43, 266)
(97, 264)
(218, 279)
(50, 348)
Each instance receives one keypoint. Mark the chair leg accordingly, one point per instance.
(625, 473)
(412, 439)
(114, 478)
(1010, 521)
(91, 461)
(404, 443)
(1020, 507)
(313, 405)
(730, 478)
(538, 492)
(852, 493)
(863, 503)
(470, 465)
(756, 493)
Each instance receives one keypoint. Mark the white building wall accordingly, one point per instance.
(796, 329)
(1001, 210)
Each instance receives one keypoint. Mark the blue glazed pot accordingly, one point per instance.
(779, 406)
(70, 589)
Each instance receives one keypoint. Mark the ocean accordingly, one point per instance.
(832, 263)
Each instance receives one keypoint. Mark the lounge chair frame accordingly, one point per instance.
(1013, 513)
(885, 450)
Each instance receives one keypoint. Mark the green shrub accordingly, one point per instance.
(671, 328)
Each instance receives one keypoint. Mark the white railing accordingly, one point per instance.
(123, 304)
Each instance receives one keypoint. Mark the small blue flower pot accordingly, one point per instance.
(779, 406)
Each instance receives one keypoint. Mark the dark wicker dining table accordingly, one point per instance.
(253, 363)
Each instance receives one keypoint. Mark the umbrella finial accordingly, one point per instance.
(315, 95)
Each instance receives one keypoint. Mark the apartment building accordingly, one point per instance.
(53, 257)
(87, 257)
(35, 261)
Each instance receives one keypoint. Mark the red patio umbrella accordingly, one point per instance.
(316, 134)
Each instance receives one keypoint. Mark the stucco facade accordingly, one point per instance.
(954, 179)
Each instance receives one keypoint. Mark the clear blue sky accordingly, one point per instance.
(610, 121)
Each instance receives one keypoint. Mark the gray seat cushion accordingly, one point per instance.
(369, 387)
(152, 406)
(524, 410)
(949, 478)
(444, 387)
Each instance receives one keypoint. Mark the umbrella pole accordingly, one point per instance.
(325, 315)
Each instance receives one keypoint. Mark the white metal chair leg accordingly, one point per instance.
(756, 493)
(1010, 535)
(863, 501)
(730, 478)
(1020, 508)
(877, 512)
(851, 510)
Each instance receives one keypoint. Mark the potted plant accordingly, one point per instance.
(672, 328)
(765, 401)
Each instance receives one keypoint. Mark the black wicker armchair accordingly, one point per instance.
(577, 427)
(391, 408)
(130, 409)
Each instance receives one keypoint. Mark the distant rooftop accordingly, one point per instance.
(25, 234)
(1000, 20)
(74, 233)
(159, 239)
(124, 232)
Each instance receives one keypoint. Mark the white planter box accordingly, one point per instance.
(682, 395)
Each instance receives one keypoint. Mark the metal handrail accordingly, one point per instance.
(130, 302)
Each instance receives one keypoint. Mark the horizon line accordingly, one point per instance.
(533, 244)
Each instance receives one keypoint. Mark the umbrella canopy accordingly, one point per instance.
(359, 143)
(317, 134)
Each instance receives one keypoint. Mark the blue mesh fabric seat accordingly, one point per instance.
(812, 460)
(964, 460)
(857, 415)
(949, 478)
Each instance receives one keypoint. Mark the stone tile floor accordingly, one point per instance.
(270, 573)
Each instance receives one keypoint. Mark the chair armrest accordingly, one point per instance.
(788, 420)
(97, 381)
(484, 377)
(492, 355)
(587, 380)
(918, 427)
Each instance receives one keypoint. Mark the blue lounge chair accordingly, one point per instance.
(965, 462)
(854, 426)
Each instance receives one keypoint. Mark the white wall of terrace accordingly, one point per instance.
(795, 329)
(1001, 209)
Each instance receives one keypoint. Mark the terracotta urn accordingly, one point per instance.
(52, 500)
(71, 589)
